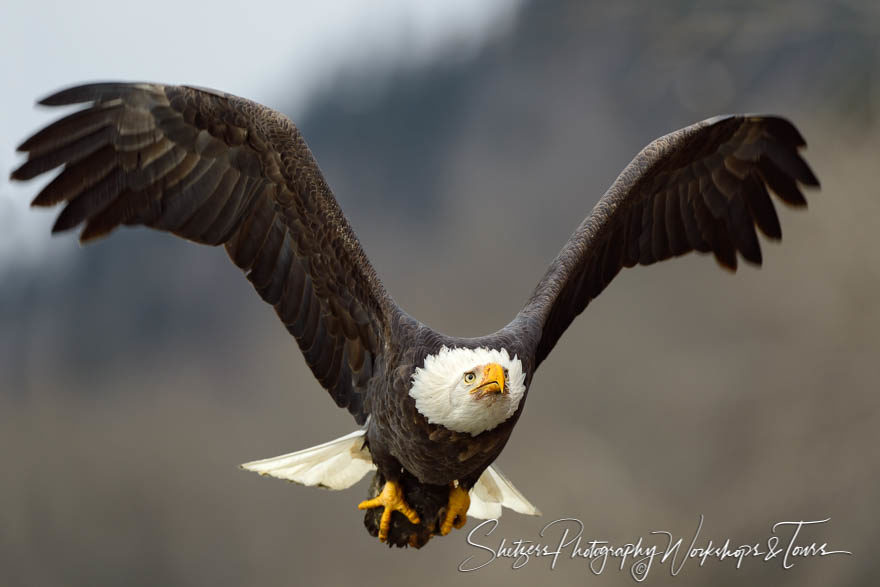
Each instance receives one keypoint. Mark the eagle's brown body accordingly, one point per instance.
(400, 436)
(218, 169)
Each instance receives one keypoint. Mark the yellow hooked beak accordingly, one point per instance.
(492, 382)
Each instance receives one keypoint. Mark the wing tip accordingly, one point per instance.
(72, 95)
(39, 202)
(779, 126)
(15, 174)
(60, 226)
(90, 235)
(727, 265)
(786, 129)
(94, 91)
(809, 179)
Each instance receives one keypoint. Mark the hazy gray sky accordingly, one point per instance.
(277, 52)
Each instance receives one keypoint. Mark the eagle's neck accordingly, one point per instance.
(442, 398)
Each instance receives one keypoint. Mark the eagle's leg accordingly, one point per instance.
(392, 500)
(456, 509)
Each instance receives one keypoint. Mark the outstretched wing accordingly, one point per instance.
(702, 188)
(218, 169)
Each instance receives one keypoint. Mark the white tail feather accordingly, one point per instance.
(492, 491)
(337, 464)
(341, 463)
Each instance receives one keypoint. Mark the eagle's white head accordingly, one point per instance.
(468, 390)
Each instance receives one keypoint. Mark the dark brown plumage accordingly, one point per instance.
(702, 188)
(218, 169)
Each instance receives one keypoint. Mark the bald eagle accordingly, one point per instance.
(435, 410)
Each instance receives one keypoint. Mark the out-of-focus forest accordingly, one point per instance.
(137, 374)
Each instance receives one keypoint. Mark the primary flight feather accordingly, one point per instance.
(218, 169)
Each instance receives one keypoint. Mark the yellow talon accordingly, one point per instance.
(456, 510)
(392, 500)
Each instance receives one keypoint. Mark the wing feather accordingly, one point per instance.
(217, 169)
(702, 188)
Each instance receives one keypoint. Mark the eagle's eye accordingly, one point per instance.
(470, 377)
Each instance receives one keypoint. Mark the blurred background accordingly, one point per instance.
(136, 374)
